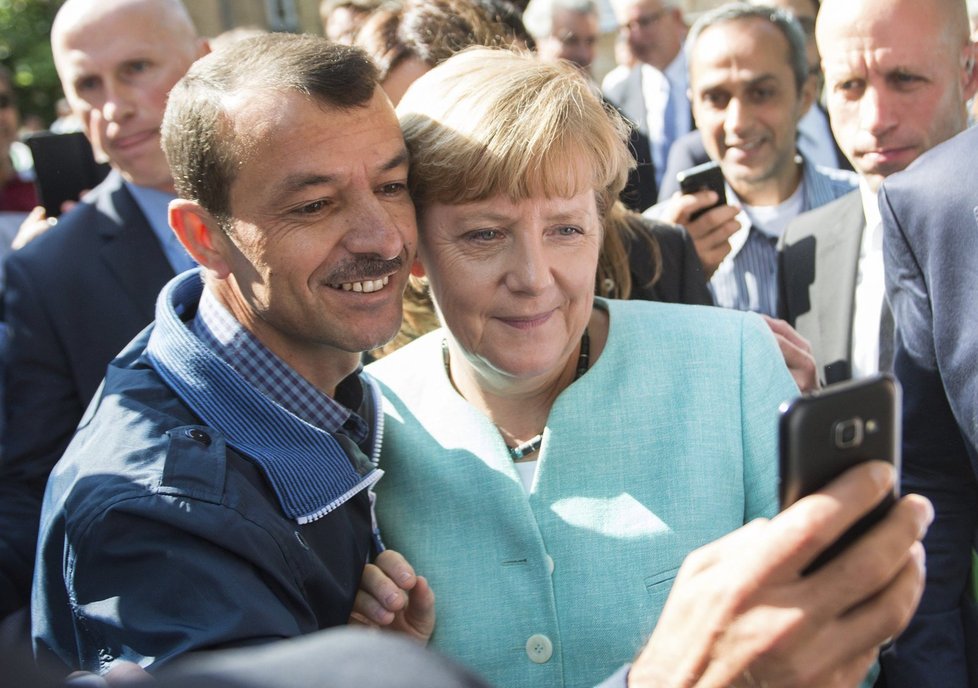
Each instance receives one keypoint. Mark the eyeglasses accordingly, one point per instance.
(6, 101)
(645, 20)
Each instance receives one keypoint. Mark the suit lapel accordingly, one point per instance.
(130, 249)
(834, 290)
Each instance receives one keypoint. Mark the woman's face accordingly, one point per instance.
(513, 282)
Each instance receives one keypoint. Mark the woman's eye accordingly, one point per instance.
(568, 230)
(484, 234)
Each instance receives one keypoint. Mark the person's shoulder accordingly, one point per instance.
(136, 439)
(677, 320)
(945, 166)
(618, 80)
(73, 235)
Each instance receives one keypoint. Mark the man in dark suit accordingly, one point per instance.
(905, 92)
(76, 295)
(930, 223)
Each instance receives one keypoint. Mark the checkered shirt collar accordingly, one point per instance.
(227, 338)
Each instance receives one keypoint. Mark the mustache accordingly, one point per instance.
(365, 269)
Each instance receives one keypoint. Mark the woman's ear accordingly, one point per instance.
(201, 234)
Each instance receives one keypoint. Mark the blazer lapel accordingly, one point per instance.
(834, 290)
(130, 249)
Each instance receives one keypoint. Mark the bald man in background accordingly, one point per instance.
(898, 76)
(76, 295)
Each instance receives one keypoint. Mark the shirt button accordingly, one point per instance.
(199, 436)
(550, 563)
(539, 648)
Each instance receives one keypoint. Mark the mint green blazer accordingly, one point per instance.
(667, 443)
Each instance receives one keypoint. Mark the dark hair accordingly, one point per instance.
(783, 20)
(198, 138)
(437, 29)
(431, 31)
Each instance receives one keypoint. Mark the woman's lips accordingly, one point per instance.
(527, 322)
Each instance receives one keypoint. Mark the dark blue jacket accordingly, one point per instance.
(158, 539)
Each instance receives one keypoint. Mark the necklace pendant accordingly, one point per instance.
(526, 448)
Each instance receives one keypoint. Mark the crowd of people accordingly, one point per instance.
(409, 327)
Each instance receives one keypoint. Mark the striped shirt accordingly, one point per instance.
(223, 334)
(747, 279)
(313, 469)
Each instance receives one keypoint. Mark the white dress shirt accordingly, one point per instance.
(667, 108)
(870, 290)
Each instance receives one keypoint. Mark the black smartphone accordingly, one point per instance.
(824, 433)
(64, 166)
(705, 176)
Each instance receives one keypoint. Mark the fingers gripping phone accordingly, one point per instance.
(827, 432)
(707, 176)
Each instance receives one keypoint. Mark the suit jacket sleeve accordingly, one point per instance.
(46, 410)
(74, 298)
(931, 291)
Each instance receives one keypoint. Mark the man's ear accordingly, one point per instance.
(201, 234)
(203, 47)
(969, 74)
(417, 269)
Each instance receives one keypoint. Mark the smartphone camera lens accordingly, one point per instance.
(849, 433)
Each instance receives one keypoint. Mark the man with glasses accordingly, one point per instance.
(654, 94)
(568, 30)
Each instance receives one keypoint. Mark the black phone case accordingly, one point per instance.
(705, 176)
(64, 166)
(825, 433)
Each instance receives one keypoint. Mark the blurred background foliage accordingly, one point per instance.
(25, 49)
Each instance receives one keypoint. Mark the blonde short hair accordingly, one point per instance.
(489, 121)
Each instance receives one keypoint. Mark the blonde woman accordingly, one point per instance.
(552, 457)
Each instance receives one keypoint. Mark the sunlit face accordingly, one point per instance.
(116, 71)
(747, 105)
(573, 37)
(322, 233)
(655, 32)
(895, 82)
(513, 282)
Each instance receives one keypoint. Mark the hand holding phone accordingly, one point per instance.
(824, 433)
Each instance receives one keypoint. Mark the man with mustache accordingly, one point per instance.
(218, 492)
